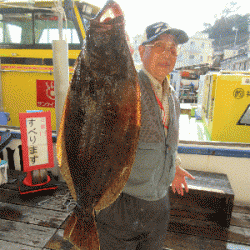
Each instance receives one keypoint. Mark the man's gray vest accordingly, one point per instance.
(154, 167)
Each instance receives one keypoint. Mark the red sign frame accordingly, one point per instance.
(24, 139)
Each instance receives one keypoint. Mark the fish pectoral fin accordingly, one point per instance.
(81, 231)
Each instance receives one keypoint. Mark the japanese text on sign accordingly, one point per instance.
(37, 141)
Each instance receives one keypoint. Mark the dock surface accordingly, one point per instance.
(35, 222)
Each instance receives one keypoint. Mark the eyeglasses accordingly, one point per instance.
(160, 46)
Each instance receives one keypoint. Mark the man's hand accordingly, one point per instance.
(180, 181)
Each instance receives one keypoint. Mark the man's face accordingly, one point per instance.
(158, 61)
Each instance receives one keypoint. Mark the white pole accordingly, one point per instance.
(61, 76)
(235, 37)
(60, 21)
(235, 29)
(1, 92)
(178, 83)
(61, 68)
(61, 73)
(248, 49)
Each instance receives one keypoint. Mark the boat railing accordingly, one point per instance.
(219, 157)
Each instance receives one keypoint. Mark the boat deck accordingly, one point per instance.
(33, 222)
(238, 235)
(192, 129)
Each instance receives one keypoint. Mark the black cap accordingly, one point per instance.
(153, 31)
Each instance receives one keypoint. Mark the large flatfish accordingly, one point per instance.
(100, 125)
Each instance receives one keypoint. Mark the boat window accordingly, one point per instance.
(46, 29)
(15, 33)
(34, 28)
(16, 28)
(1, 33)
(48, 35)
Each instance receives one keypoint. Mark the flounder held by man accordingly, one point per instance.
(100, 125)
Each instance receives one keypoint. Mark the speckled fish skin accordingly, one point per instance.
(100, 125)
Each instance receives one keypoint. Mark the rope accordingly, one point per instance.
(59, 9)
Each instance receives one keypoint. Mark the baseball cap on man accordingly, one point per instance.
(153, 31)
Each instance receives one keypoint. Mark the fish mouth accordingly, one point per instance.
(110, 11)
(110, 17)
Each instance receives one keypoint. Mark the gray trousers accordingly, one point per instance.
(133, 224)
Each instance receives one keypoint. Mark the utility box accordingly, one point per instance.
(225, 106)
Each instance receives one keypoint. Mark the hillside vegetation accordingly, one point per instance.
(225, 28)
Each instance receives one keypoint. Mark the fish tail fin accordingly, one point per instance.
(81, 231)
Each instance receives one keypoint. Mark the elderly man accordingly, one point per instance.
(138, 219)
